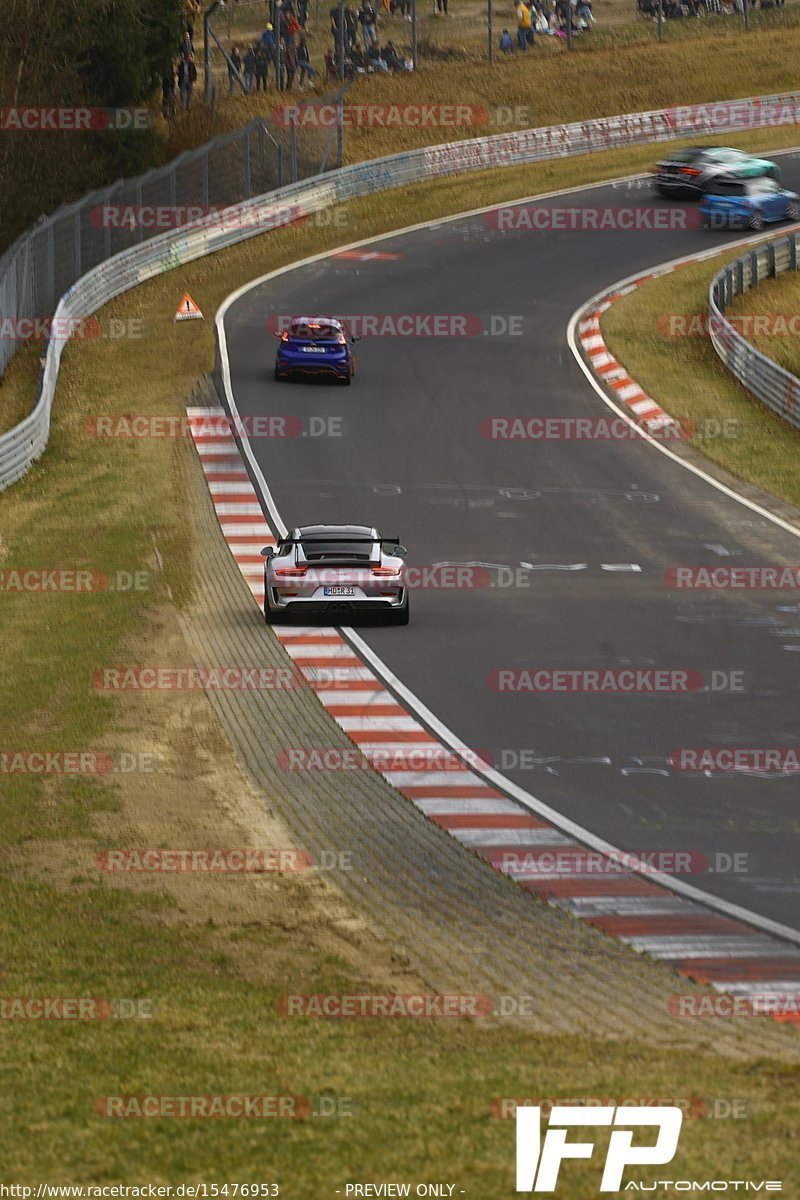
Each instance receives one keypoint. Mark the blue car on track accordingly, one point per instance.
(315, 346)
(748, 204)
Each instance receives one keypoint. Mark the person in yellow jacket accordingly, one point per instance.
(524, 25)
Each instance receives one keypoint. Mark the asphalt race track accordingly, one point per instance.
(412, 459)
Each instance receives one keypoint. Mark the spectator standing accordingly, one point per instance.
(292, 29)
(168, 93)
(250, 69)
(441, 7)
(190, 10)
(506, 44)
(234, 65)
(523, 24)
(269, 43)
(304, 65)
(262, 67)
(302, 14)
(187, 77)
(368, 20)
(350, 26)
(289, 64)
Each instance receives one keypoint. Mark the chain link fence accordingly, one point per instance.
(770, 383)
(46, 261)
(86, 263)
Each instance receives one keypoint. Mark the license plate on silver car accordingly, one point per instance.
(339, 591)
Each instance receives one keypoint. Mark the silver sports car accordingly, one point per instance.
(328, 570)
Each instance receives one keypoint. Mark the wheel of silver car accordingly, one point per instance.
(756, 221)
(400, 616)
(270, 616)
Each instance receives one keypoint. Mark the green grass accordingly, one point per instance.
(778, 297)
(420, 1092)
(688, 379)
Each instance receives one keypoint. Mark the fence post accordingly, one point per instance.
(753, 268)
(490, 21)
(793, 252)
(51, 268)
(246, 162)
(340, 132)
(293, 150)
(204, 161)
(77, 241)
(771, 260)
(414, 33)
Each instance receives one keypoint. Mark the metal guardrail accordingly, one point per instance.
(770, 383)
(125, 265)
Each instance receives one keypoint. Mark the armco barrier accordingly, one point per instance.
(771, 384)
(114, 275)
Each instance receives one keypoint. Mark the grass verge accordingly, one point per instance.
(686, 377)
(774, 298)
(215, 956)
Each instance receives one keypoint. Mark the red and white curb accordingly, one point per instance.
(708, 947)
(642, 408)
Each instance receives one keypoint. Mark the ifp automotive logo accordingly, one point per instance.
(539, 1160)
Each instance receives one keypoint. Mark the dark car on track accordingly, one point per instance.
(315, 346)
(695, 170)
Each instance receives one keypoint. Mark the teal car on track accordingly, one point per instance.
(695, 170)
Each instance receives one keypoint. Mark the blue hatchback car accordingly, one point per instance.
(748, 204)
(315, 346)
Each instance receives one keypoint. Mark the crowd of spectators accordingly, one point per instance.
(355, 39)
(180, 77)
(548, 17)
(675, 9)
(279, 56)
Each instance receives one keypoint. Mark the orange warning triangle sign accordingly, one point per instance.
(188, 310)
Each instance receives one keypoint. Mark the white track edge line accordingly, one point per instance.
(564, 823)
